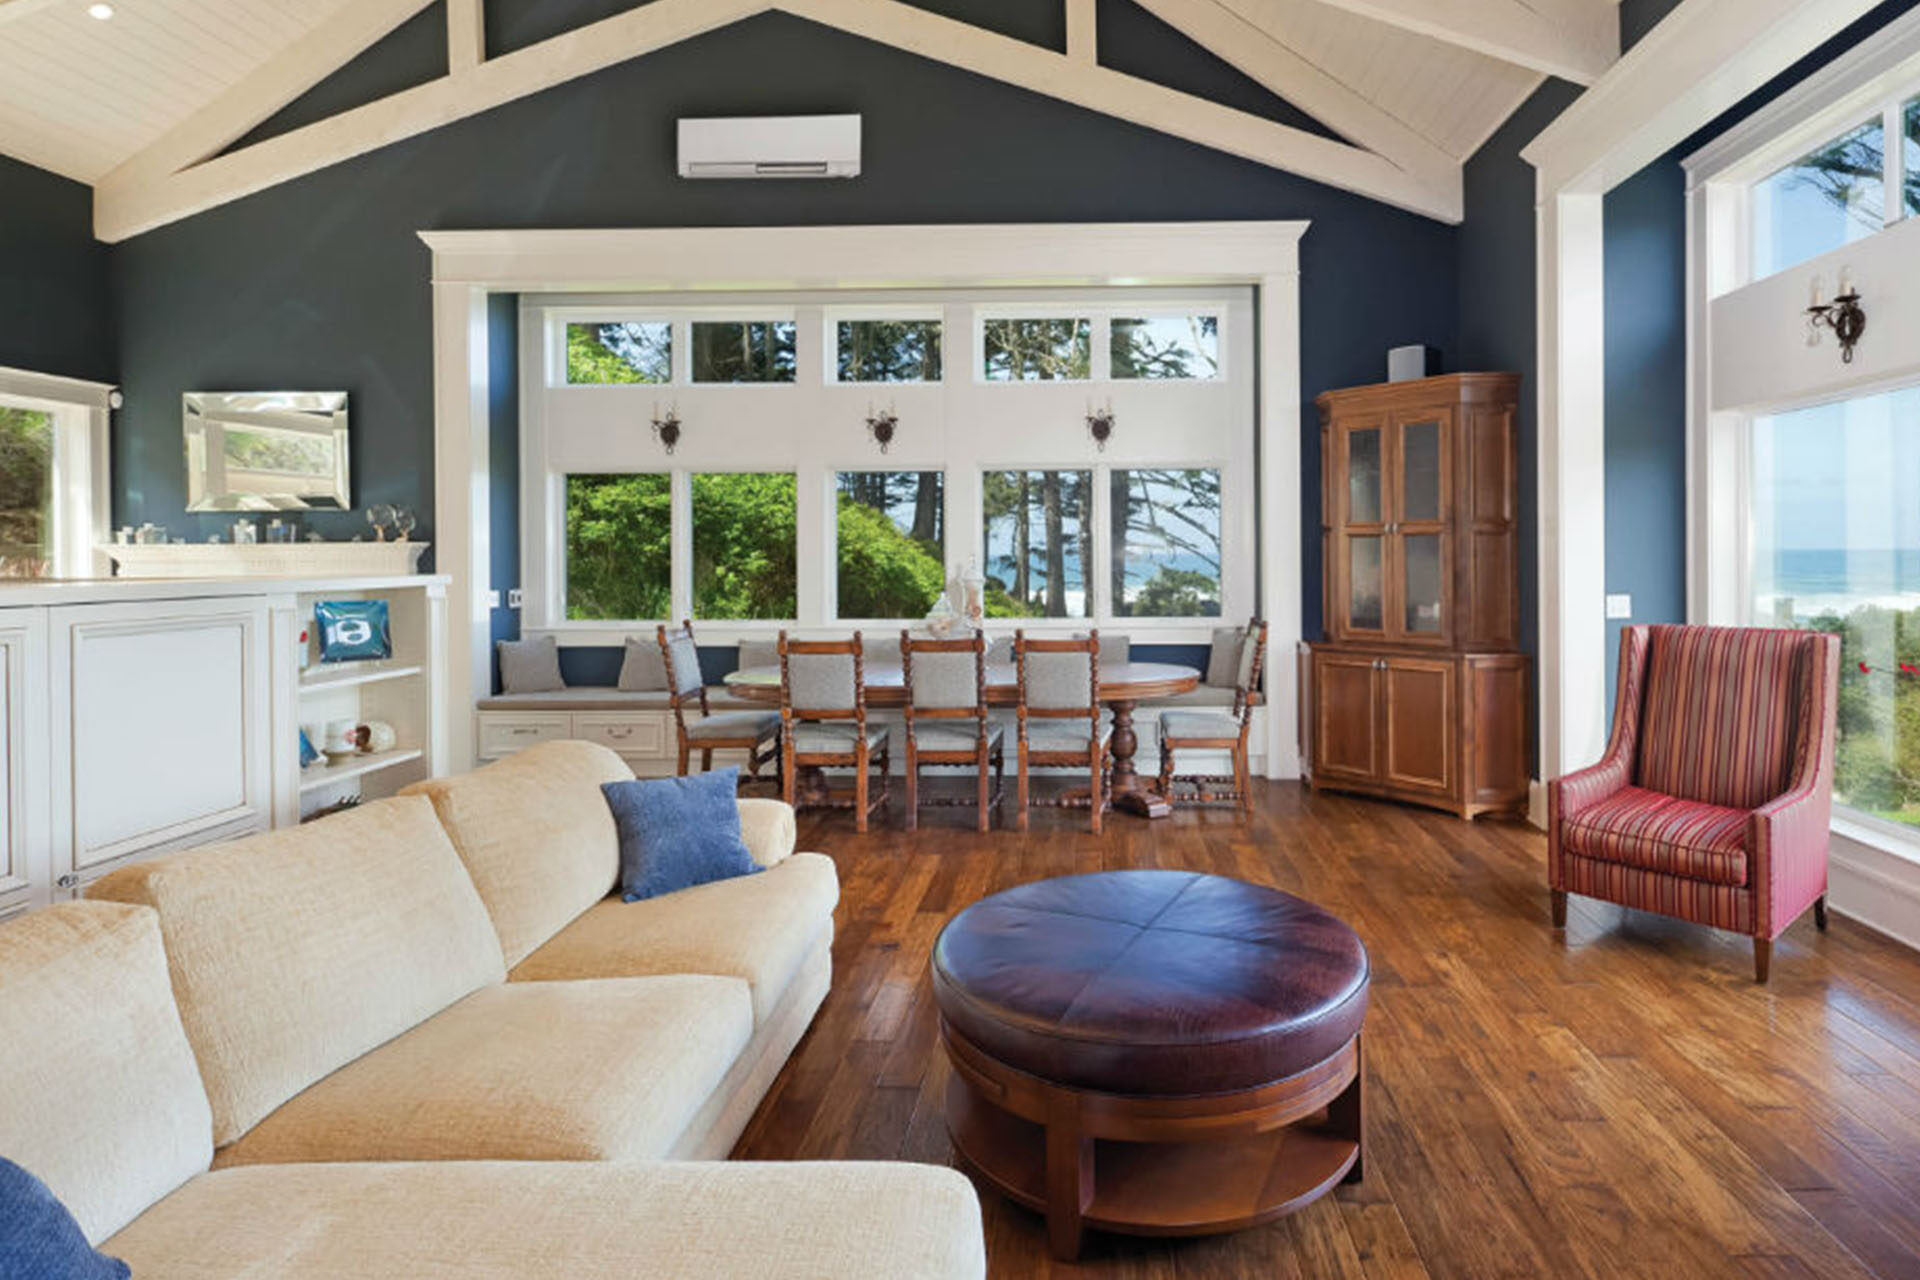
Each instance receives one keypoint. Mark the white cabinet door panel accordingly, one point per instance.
(24, 793)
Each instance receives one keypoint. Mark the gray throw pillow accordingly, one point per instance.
(1115, 646)
(643, 670)
(1224, 661)
(530, 666)
(759, 653)
(1000, 652)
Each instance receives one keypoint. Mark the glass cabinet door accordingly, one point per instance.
(1421, 586)
(1420, 480)
(1366, 476)
(1366, 581)
(1417, 530)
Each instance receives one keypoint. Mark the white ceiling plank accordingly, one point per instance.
(466, 35)
(1142, 102)
(13, 10)
(1249, 49)
(138, 196)
(1083, 35)
(272, 85)
(1576, 40)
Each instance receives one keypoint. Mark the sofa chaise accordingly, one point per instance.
(419, 1038)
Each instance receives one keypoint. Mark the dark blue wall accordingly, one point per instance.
(503, 456)
(321, 282)
(54, 311)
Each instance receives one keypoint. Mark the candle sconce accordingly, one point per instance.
(667, 429)
(881, 425)
(1843, 315)
(1100, 424)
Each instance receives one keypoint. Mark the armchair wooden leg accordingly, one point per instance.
(1820, 913)
(1762, 958)
(1559, 908)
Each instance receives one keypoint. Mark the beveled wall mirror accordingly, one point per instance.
(265, 450)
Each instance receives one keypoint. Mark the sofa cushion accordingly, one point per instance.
(1653, 832)
(535, 834)
(530, 666)
(676, 833)
(99, 1094)
(606, 1070)
(862, 1220)
(759, 928)
(295, 952)
(1719, 719)
(42, 1241)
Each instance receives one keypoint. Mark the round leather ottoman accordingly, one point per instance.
(1153, 1052)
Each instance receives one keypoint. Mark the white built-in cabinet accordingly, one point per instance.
(141, 717)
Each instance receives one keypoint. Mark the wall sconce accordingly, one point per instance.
(1100, 424)
(881, 425)
(1843, 315)
(667, 429)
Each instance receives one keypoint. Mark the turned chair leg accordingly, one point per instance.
(1020, 784)
(1096, 800)
(1820, 913)
(1166, 770)
(984, 819)
(786, 779)
(1559, 908)
(860, 762)
(1762, 958)
(1243, 778)
(913, 790)
(685, 754)
(706, 759)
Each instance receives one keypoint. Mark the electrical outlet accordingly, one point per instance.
(1619, 606)
(493, 599)
(513, 598)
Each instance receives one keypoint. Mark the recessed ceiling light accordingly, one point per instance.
(100, 11)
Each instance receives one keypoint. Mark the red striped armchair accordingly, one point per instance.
(1713, 799)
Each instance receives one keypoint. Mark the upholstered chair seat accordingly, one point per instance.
(823, 719)
(757, 733)
(1238, 657)
(1042, 736)
(758, 725)
(956, 737)
(1198, 724)
(811, 739)
(1713, 800)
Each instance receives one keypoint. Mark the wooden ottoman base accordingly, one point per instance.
(1155, 1165)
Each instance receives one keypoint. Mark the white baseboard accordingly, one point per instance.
(1874, 884)
(1537, 803)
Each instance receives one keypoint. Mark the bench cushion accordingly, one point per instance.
(757, 928)
(535, 833)
(546, 1221)
(99, 1094)
(607, 1070)
(294, 952)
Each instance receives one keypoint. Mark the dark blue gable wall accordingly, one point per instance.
(54, 310)
(321, 282)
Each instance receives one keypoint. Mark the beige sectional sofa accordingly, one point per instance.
(420, 1038)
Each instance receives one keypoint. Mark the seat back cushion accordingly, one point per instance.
(294, 952)
(99, 1094)
(1717, 721)
(536, 835)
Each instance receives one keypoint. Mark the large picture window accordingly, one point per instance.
(26, 492)
(1166, 543)
(619, 547)
(1039, 535)
(1836, 547)
(890, 542)
(744, 549)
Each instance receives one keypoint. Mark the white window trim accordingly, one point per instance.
(468, 266)
(82, 497)
(1877, 77)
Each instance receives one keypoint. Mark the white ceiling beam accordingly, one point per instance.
(1083, 37)
(1232, 35)
(466, 36)
(1576, 40)
(1138, 101)
(132, 200)
(270, 86)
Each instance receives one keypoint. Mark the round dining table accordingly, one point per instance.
(1123, 687)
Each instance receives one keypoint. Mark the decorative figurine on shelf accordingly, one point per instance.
(308, 754)
(381, 516)
(378, 735)
(973, 595)
(942, 619)
(353, 630)
(245, 533)
(342, 740)
(404, 523)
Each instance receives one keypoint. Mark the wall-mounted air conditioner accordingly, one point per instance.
(771, 147)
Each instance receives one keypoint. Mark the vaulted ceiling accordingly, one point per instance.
(146, 105)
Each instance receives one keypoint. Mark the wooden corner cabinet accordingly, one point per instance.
(1419, 691)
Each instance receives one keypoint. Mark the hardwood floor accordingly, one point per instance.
(1626, 1102)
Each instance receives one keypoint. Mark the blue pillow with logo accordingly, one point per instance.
(678, 832)
(353, 630)
(39, 1240)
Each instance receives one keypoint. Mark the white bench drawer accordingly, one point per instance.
(504, 732)
(629, 735)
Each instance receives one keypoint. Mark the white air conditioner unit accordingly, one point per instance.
(771, 147)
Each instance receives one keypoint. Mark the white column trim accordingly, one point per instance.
(468, 265)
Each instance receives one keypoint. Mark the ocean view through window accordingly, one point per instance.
(1836, 548)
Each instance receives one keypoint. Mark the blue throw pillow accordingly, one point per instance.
(40, 1240)
(678, 832)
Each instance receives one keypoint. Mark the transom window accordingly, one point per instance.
(1022, 349)
(619, 352)
(743, 351)
(887, 350)
(1165, 348)
(1828, 197)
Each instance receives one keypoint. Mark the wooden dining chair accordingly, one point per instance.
(1059, 719)
(1212, 731)
(823, 718)
(947, 721)
(755, 732)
